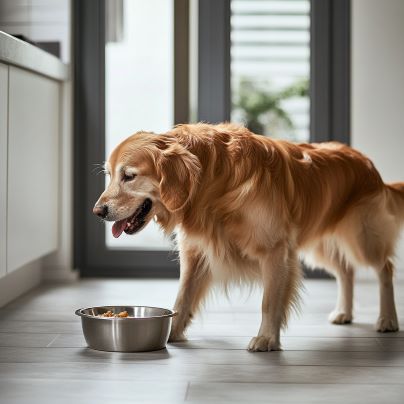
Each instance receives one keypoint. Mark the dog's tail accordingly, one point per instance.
(397, 199)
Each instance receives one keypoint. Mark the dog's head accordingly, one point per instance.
(150, 175)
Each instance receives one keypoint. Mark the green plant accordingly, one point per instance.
(256, 103)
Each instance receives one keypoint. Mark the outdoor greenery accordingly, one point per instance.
(261, 109)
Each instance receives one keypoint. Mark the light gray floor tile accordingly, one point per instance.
(293, 393)
(69, 341)
(288, 343)
(44, 327)
(43, 391)
(26, 340)
(392, 345)
(361, 330)
(205, 356)
(174, 371)
(21, 314)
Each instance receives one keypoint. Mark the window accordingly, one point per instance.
(270, 67)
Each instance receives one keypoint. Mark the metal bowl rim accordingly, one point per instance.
(79, 313)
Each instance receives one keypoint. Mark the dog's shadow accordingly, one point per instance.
(370, 331)
(214, 343)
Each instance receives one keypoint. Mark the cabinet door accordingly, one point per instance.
(3, 166)
(32, 167)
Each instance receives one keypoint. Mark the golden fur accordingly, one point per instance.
(245, 206)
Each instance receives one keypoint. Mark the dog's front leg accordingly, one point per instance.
(281, 277)
(195, 280)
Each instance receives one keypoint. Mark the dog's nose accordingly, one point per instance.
(101, 211)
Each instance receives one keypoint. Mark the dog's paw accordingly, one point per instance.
(263, 344)
(177, 336)
(339, 317)
(387, 324)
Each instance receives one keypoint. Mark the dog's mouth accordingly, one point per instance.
(133, 223)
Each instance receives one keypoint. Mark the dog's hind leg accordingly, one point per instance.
(333, 262)
(195, 280)
(342, 314)
(388, 317)
(281, 276)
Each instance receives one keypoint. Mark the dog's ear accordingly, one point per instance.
(179, 171)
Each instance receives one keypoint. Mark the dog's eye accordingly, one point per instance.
(128, 177)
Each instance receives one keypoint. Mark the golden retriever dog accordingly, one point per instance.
(246, 207)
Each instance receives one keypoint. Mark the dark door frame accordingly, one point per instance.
(330, 70)
(330, 109)
(91, 256)
(214, 97)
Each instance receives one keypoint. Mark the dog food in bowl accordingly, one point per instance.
(110, 313)
(126, 328)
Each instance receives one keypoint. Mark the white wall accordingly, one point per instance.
(378, 87)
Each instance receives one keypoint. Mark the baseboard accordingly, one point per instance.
(59, 273)
(20, 281)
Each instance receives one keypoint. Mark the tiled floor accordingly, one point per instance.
(44, 359)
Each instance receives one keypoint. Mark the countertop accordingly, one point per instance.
(18, 53)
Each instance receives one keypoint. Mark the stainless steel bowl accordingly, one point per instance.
(146, 328)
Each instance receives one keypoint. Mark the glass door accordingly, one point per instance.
(125, 82)
(139, 90)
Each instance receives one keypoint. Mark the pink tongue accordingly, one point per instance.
(118, 228)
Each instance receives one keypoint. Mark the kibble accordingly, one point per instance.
(110, 313)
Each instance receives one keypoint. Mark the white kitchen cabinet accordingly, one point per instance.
(33, 152)
(3, 166)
